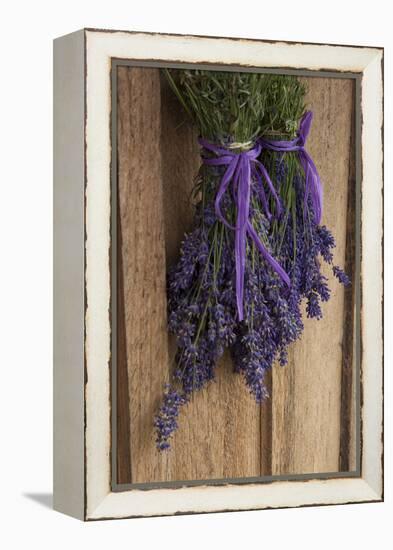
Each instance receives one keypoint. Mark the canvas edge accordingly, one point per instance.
(372, 273)
(101, 503)
(68, 274)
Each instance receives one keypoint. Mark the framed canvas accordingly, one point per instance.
(125, 160)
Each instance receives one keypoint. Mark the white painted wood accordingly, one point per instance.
(371, 269)
(226, 51)
(100, 48)
(69, 160)
(233, 497)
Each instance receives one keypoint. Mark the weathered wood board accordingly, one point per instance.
(307, 426)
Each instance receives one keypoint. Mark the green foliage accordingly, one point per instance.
(238, 107)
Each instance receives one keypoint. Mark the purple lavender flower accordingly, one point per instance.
(313, 308)
(202, 311)
(341, 275)
(165, 421)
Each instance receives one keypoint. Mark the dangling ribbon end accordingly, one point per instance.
(240, 313)
(240, 171)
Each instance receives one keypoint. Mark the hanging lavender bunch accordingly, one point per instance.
(274, 318)
(297, 180)
(202, 302)
(252, 255)
(298, 242)
(301, 242)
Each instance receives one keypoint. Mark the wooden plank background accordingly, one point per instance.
(308, 424)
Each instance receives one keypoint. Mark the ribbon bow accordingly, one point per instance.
(313, 184)
(242, 168)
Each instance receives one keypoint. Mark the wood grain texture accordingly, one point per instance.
(143, 259)
(348, 378)
(123, 399)
(222, 432)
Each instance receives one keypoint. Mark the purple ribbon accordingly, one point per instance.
(313, 184)
(242, 168)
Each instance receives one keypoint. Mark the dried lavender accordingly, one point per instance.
(201, 315)
(228, 109)
(233, 110)
(274, 318)
(166, 422)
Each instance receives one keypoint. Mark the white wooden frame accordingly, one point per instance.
(82, 471)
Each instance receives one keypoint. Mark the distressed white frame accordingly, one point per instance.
(99, 47)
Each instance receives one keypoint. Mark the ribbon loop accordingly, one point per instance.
(241, 168)
(313, 185)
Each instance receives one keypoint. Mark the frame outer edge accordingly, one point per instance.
(69, 276)
(101, 502)
(371, 267)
